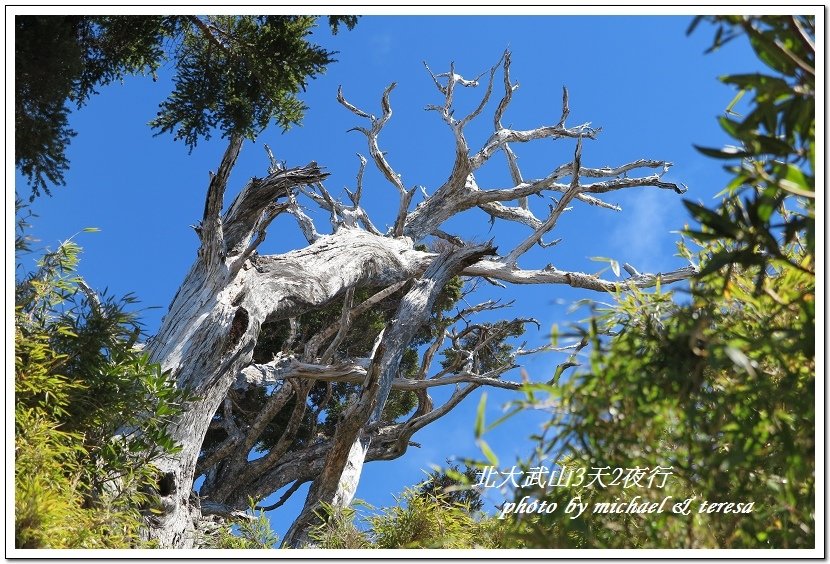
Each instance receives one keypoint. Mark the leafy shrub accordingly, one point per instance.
(90, 412)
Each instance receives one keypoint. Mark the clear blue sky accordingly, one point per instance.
(650, 88)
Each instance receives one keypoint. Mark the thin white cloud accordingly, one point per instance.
(644, 236)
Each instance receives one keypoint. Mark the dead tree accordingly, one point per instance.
(208, 338)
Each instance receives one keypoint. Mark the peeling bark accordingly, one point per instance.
(208, 338)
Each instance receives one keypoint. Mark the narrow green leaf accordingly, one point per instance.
(503, 418)
(771, 145)
(729, 108)
(479, 424)
(711, 219)
(726, 153)
(554, 334)
(694, 24)
(770, 53)
(756, 81)
(488, 452)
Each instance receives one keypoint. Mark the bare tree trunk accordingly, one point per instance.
(214, 321)
(337, 483)
(207, 340)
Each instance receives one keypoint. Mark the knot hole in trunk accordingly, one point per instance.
(167, 484)
(238, 327)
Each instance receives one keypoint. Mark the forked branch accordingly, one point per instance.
(306, 380)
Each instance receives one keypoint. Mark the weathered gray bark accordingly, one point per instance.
(337, 483)
(208, 337)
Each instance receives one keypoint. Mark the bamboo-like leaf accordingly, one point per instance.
(488, 452)
(732, 104)
(479, 424)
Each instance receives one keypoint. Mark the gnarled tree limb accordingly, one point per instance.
(214, 328)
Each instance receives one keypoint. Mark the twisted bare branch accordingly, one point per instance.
(512, 162)
(572, 192)
(357, 256)
(378, 156)
(243, 217)
(210, 231)
(377, 125)
(355, 197)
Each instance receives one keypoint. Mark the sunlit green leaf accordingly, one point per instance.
(480, 413)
